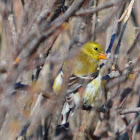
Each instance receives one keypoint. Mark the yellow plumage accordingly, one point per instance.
(91, 91)
(57, 83)
(85, 63)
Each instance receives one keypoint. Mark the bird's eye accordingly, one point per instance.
(95, 49)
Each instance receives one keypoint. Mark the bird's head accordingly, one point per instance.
(93, 50)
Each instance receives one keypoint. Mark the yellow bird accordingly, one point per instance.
(85, 65)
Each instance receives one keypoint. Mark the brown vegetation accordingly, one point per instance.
(35, 39)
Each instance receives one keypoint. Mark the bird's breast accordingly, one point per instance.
(84, 67)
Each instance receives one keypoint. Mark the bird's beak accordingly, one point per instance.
(102, 56)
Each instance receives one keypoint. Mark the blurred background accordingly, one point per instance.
(35, 39)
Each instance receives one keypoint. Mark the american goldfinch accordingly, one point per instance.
(85, 65)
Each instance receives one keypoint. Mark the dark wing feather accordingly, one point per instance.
(74, 83)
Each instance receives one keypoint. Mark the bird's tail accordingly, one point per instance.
(68, 109)
(67, 112)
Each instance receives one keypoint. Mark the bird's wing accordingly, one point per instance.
(76, 81)
(73, 98)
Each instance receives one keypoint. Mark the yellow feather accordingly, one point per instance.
(57, 83)
(91, 91)
(87, 59)
(84, 63)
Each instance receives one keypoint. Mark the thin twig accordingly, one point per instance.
(130, 110)
(99, 8)
(134, 43)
